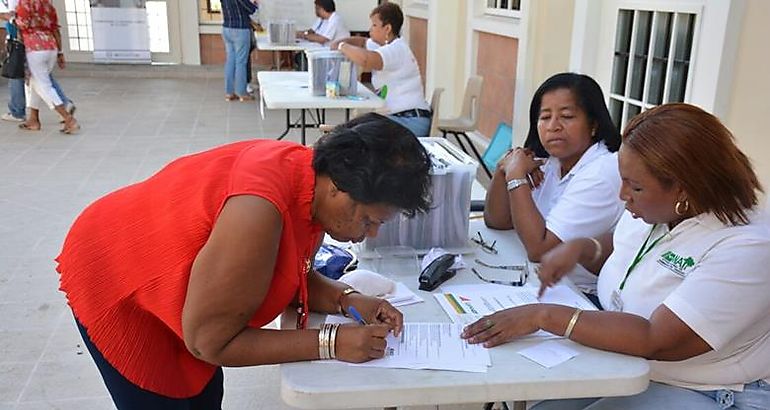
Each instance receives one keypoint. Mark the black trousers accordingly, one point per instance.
(128, 396)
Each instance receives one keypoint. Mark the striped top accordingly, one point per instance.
(126, 261)
(236, 13)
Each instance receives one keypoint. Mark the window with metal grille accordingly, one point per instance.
(507, 8)
(651, 63)
(79, 31)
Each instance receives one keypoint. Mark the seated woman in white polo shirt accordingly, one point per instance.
(685, 275)
(574, 192)
(329, 25)
(395, 74)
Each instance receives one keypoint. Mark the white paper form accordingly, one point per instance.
(402, 296)
(549, 354)
(435, 346)
(466, 304)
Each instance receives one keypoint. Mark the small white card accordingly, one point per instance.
(549, 354)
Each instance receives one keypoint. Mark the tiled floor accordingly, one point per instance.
(131, 127)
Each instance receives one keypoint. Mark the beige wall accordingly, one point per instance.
(750, 102)
(550, 35)
(496, 63)
(418, 42)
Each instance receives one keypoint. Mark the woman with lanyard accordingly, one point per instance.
(684, 276)
(171, 278)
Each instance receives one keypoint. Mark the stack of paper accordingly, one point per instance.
(435, 346)
(402, 296)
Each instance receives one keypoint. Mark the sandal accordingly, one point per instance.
(230, 97)
(72, 128)
(26, 127)
(247, 98)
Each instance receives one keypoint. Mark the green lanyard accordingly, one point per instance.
(641, 254)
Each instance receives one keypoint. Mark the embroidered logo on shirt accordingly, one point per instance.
(677, 264)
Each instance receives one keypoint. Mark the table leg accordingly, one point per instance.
(276, 60)
(347, 114)
(303, 126)
(288, 125)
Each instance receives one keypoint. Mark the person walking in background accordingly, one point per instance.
(17, 103)
(236, 33)
(39, 29)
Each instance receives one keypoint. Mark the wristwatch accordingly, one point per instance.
(515, 183)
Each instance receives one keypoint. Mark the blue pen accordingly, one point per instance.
(357, 316)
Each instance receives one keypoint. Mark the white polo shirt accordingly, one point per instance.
(400, 75)
(716, 279)
(332, 28)
(583, 203)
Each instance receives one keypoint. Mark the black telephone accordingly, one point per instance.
(437, 272)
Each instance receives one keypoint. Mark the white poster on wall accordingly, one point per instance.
(121, 32)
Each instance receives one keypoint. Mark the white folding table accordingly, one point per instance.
(512, 377)
(289, 90)
(264, 44)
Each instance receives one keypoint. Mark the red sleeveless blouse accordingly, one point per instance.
(126, 261)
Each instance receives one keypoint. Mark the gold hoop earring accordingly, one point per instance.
(684, 203)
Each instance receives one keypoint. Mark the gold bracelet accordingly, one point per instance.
(347, 291)
(323, 341)
(321, 352)
(571, 324)
(333, 341)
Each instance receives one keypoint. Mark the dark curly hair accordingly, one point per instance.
(589, 98)
(376, 160)
(390, 13)
(327, 5)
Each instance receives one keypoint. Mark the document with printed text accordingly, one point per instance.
(436, 346)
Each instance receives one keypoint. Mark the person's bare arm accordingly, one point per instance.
(315, 37)
(230, 279)
(663, 337)
(357, 41)
(60, 54)
(367, 59)
(522, 213)
(497, 209)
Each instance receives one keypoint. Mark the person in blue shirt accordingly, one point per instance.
(236, 33)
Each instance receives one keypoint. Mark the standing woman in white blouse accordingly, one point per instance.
(684, 277)
(395, 73)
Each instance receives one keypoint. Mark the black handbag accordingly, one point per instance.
(13, 65)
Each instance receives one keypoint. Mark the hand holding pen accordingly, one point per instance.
(372, 310)
(357, 316)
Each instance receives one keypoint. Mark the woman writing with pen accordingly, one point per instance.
(573, 192)
(174, 277)
(683, 276)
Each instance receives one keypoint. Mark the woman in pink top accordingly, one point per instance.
(39, 29)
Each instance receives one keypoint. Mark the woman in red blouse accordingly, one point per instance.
(173, 277)
(39, 29)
